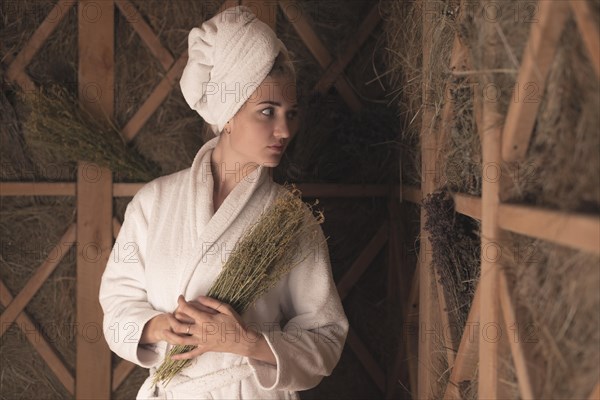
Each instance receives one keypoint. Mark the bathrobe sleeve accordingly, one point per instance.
(123, 294)
(310, 344)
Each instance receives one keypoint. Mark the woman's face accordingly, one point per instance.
(262, 129)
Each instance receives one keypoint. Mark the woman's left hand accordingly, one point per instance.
(216, 326)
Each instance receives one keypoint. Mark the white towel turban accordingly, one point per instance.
(228, 58)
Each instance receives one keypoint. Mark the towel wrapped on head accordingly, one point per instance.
(228, 58)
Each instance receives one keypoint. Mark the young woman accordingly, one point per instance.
(179, 229)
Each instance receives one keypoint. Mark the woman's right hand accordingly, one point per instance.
(154, 329)
(178, 323)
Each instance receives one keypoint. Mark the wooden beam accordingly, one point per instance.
(24, 81)
(39, 343)
(94, 237)
(21, 78)
(578, 231)
(488, 384)
(15, 71)
(428, 316)
(336, 68)
(37, 189)
(589, 31)
(575, 230)
(465, 364)
(448, 335)
(344, 190)
(292, 10)
(362, 262)
(265, 10)
(126, 189)
(458, 61)
(96, 85)
(36, 281)
(468, 205)
(96, 57)
(307, 189)
(365, 357)
(123, 369)
(130, 189)
(535, 66)
(397, 296)
(145, 33)
(411, 333)
(516, 345)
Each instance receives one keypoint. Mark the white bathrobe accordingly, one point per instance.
(171, 243)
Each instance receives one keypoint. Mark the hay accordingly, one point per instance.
(24, 371)
(565, 147)
(456, 249)
(16, 164)
(403, 29)
(460, 157)
(31, 226)
(556, 292)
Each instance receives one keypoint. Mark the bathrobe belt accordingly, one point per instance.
(194, 386)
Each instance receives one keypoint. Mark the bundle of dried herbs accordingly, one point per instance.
(281, 238)
(57, 127)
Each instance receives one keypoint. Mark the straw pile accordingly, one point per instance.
(556, 293)
(403, 59)
(30, 227)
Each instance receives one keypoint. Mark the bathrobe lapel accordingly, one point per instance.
(208, 227)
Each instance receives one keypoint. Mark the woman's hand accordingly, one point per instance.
(183, 317)
(154, 330)
(216, 326)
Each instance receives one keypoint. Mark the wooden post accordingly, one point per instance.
(535, 67)
(397, 296)
(427, 312)
(94, 240)
(94, 200)
(491, 248)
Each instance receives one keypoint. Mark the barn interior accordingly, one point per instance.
(452, 145)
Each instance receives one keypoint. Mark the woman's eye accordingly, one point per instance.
(270, 111)
(292, 114)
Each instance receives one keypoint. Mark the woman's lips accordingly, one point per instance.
(276, 148)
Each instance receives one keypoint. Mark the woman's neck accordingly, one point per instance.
(227, 170)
